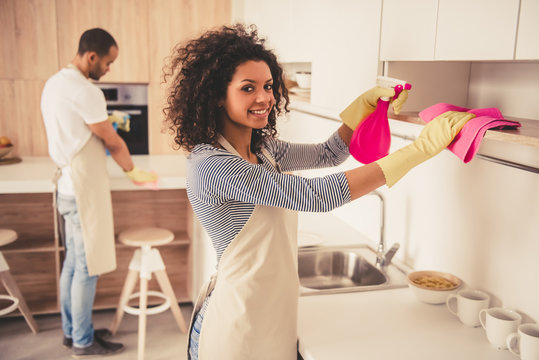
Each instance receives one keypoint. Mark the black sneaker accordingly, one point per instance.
(98, 348)
(100, 333)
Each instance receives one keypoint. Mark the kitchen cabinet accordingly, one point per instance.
(408, 30)
(35, 258)
(528, 28)
(22, 124)
(41, 36)
(288, 26)
(476, 30)
(339, 38)
(171, 22)
(463, 30)
(28, 43)
(127, 21)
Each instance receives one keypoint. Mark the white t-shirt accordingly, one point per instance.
(69, 102)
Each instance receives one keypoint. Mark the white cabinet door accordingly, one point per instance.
(476, 29)
(408, 30)
(345, 61)
(340, 38)
(288, 26)
(528, 30)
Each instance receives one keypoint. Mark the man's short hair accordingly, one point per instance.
(97, 40)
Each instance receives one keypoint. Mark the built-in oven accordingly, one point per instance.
(131, 99)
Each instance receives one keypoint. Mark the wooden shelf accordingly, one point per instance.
(527, 134)
(35, 260)
(29, 245)
(35, 274)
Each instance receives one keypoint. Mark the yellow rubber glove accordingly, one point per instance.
(139, 177)
(122, 119)
(398, 103)
(434, 137)
(365, 104)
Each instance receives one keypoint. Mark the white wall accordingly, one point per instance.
(513, 87)
(477, 220)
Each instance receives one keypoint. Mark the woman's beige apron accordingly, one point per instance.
(252, 312)
(92, 192)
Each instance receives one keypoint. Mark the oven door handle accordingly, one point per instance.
(127, 111)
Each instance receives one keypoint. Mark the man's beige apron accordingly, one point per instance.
(94, 204)
(252, 312)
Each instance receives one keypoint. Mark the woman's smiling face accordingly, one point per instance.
(249, 96)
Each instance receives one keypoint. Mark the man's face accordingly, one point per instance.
(99, 66)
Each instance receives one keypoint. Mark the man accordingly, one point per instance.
(78, 131)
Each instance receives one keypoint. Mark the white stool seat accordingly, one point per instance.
(8, 236)
(146, 236)
(145, 262)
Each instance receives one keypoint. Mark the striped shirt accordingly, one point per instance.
(224, 189)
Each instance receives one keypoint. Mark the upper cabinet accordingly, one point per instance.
(528, 29)
(451, 29)
(28, 41)
(288, 26)
(339, 38)
(408, 29)
(127, 22)
(476, 30)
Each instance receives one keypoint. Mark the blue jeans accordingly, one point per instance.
(77, 288)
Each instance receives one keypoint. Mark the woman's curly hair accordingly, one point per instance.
(199, 73)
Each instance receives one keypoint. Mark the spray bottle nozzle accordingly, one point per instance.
(396, 84)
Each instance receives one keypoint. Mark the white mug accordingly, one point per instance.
(499, 323)
(525, 342)
(468, 304)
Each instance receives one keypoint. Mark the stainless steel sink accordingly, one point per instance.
(325, 270)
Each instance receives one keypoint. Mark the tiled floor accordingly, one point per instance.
(164, 340)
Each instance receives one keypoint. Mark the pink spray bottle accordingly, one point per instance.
(371, 139)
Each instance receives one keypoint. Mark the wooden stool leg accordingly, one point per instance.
(129, 285)
(13, 290)
(166, 287)
(143, 302)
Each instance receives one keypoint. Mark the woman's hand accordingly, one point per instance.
(365, 104)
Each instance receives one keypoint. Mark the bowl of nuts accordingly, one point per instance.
(433, 287)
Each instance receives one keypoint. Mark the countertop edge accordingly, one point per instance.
(34, 174)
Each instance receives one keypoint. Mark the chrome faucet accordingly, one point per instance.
(382, 258)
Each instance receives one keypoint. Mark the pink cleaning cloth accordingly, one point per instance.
(466, 144)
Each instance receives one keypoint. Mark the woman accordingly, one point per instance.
(226, 91)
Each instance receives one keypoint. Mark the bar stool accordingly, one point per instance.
(7, 236)
(146, 261)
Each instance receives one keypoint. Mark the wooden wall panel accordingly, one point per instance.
(164, 208)
(172, 22)
(35, 275)
(29, 48)
(161, 141)
(41, 36)
(126, 21)
(34, 232)
(21, 116)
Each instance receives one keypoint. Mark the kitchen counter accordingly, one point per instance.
(36, 257)
(34, 174)
(387, 324)
(384, 324)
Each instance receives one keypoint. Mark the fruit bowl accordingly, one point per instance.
(5, 150)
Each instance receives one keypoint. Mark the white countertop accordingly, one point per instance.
(34, 174)
(382, 324)
(387, 324)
